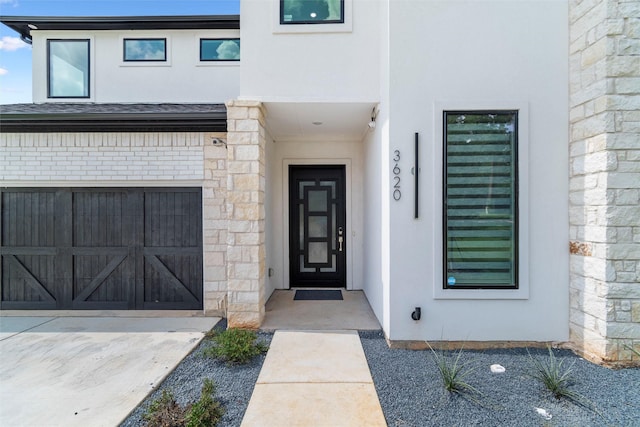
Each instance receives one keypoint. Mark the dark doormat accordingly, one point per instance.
(318, 295)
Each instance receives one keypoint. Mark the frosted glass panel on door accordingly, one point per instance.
(333, 225)
(317, 253)
(317, 201)
(301, 208)
(317, 226)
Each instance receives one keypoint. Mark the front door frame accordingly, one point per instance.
(348, 207)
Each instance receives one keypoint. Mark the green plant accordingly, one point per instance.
(454, 372)
(165, 412)
(552, 373)
(235, 346)
(206, 412)
(558, 378)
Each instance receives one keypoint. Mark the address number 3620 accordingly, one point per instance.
(397, 193)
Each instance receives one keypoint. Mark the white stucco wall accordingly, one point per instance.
(319, 65)
(279, 156)
(479, 54)
(273, 229)
(182, 78)
(428, 56)
(375, 218)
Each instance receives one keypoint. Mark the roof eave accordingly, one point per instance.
(48, 123)
(25, 24)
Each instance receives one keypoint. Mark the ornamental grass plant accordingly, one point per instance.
(557, 378)
(454, 373)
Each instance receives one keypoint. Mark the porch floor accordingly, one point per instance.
(352, 313)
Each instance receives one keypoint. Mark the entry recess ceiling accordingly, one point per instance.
(340, 121)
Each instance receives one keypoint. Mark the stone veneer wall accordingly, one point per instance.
(214, 224)
(605, 178)
(246, 213)
(135, 159)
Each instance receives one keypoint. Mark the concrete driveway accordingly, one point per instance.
(87, 371)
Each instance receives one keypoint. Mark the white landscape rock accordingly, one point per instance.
(543, 413)
(497, 369)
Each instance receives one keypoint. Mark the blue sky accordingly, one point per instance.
(15, 56)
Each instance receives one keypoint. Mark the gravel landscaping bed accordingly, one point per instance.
(410, 388)
(411, 393)
(234, 384)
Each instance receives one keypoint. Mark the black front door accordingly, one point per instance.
(317, 226)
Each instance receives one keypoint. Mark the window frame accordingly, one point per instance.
(201, 39)
(50, 86)
(515, 196)
(310, 22)
(439, 292)
(124, 50)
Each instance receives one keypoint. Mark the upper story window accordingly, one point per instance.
(68, 68)
(219, 49)
(311, 11)
(480, 200)
(145, 50)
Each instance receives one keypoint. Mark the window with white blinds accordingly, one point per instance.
(480, 199)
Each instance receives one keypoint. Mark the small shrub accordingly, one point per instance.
(235, 346)
(454, 372)
(165, 412)
(206, 412)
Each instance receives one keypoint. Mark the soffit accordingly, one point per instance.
(318, 121)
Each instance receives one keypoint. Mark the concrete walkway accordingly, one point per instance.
(351, 313)
(314, 378)
(83, 371)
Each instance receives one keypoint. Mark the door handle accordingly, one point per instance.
(340, 239)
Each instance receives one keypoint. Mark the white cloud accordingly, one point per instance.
(11, 44)
(13, 3)
(3, 71)
(228, 49)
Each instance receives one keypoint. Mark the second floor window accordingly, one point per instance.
(145, 50)
(219, 49)
(68, 68)
(311, 11)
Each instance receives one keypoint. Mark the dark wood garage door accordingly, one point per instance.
(97, 248)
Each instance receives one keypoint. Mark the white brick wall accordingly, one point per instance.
(101, 156)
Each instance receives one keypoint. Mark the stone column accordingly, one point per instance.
(214, 210)
(605, 178)
(246, 213)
